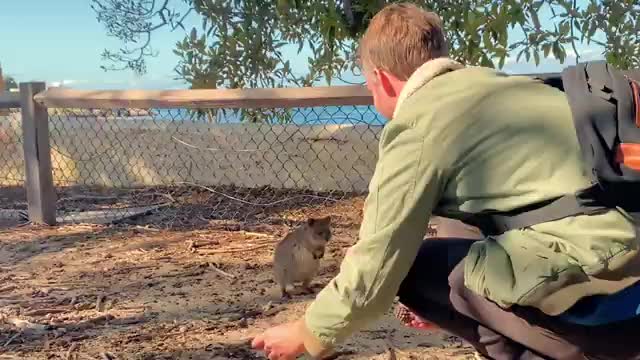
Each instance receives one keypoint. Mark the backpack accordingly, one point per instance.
(605, 105)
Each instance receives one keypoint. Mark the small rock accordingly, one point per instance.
(183, 329)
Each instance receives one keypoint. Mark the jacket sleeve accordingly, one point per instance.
(406, 185)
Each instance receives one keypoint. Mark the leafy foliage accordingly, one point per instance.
(249, 43)
(10, 83)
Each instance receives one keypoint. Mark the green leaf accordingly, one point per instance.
(501, 63)
(546, 48)
(486, 39)
(486, 62)
(536, 57)
(565, 28)
(556, 50)
(563, 54)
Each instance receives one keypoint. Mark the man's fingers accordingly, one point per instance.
(258, 342)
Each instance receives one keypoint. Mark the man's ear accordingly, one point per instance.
(386, 80)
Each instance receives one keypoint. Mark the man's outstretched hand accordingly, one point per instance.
(287, 341)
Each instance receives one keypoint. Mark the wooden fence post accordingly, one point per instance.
(41, 196)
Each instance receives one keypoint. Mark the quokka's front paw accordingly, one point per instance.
(285, 295)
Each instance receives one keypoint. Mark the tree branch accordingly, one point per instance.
(573, 38)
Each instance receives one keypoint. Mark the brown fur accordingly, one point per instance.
(297, 256)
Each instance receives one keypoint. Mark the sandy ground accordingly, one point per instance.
(145, 291)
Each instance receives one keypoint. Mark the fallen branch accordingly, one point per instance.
(87, 197)
(252, 203)
(257, 234)
(15, 336)
(231, 276)
(40, 312)
(226, 251)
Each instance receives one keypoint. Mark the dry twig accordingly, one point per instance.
(226, 251)
(231, 276)
(72, 348)
(40, 312)
(15, 336)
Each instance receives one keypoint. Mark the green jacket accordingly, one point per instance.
(471, 139)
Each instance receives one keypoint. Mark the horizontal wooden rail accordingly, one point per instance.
(218, 98)
(9, 100)
(210, 98)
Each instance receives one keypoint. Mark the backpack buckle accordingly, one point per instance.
(635, 91)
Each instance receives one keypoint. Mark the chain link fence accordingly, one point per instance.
(13, 203)
(185, 168)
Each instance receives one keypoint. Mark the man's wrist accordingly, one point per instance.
(313, 345)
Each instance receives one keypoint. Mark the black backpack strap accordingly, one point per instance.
(492, 223)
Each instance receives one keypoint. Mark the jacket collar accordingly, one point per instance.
(425, 73)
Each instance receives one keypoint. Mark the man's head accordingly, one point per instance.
(399, 39)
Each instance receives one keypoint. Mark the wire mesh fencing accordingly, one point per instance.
(12, 170)
(182, 167)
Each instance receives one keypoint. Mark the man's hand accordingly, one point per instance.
(287, 341)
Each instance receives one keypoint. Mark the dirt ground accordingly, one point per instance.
(146, 291)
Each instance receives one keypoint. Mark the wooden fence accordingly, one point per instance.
(34, 100)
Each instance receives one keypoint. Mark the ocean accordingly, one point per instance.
(324, 115)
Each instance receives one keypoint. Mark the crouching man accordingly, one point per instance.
(461, 140)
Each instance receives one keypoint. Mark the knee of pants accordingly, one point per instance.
(456, 285)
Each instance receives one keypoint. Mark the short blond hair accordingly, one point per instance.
(400, 38)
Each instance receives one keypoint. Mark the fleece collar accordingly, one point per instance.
(425, 73)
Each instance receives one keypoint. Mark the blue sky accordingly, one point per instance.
(61, 42)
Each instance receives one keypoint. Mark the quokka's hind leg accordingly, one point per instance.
(306, 286)
(283, 291)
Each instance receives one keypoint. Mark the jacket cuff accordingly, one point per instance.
(316, 342)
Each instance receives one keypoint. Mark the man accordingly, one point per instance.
(462, 140)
